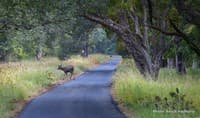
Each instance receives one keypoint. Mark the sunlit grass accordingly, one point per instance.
(19, 80)
(130, 88)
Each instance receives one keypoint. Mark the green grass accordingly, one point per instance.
(138, 94)
(19, 80)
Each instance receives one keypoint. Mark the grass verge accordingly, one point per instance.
(166, 98)
(20, 81)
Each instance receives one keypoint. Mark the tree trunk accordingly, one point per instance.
(156, 70)
(195, 64)
(140, 55)
(86, 45)
(86, 49)
(180, 66)
(145, 24)
(39, 50)
(170, 63)
(135, 44)
(163, 63)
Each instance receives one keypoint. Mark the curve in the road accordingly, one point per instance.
(88, 96)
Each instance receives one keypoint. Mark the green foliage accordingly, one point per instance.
(175, 102)
(194, 32)
(24, 22)
(121, 49)
(188, 54)
(99, 42)
(67, 48)
(50, 20)
(4, 47)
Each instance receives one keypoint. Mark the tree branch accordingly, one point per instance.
(105, 22)
(188, 40)
(9, 24)
(179, 33)
(165, 32)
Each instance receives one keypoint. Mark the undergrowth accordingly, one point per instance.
(147, 99)
(20, 80)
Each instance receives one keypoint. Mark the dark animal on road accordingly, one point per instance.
(67, 69)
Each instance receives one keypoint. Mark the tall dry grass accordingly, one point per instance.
(138, 94)
(20, 80)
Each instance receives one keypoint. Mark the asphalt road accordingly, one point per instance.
(88, 96)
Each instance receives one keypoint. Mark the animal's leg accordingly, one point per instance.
(65, 76)
(71, 75)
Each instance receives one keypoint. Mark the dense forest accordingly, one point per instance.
(151, 31)
(49, 28)
(154, 34)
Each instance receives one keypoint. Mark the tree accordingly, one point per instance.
(130, 24)
(144, 30)
(99, 42)
(27, 16)
(3, 48)
(81, 33)
(181, 15)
